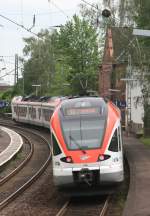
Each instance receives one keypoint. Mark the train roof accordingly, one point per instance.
(34, 98)
(87, 105)
(83, 105)
(87, 100)
(37, 99)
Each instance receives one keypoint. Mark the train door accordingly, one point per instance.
(32, 114)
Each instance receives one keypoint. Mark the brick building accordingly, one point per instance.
(118, 45)
(118, 51)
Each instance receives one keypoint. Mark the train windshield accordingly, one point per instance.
(83, 124)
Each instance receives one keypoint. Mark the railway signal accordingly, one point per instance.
(106, 13)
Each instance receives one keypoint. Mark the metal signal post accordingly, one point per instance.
(16, 69)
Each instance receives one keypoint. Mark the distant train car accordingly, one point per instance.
(87, 143)
(31, 111)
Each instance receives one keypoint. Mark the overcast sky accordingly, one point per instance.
(47, 13)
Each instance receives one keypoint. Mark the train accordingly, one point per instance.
(87, 143)
(34, 110)
(86, 138)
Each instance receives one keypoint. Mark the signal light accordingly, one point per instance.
(106, 13)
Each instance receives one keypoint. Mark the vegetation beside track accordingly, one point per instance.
(145, 140)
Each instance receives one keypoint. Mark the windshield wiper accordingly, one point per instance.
(77, 144)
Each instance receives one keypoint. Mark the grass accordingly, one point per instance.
(145, 141)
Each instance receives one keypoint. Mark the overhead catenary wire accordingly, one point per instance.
(3, 56)
(20, 25)
(130, 42)
(8, 73)
(92, 5)
(62, 11)
(42, 13)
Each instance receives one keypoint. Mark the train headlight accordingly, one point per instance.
(67, 159)
(103, 157)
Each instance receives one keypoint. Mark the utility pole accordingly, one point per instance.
(16, 69)
(22, 72)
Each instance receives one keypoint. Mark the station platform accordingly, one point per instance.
(10, 144)
(4, 140)
(138, 156)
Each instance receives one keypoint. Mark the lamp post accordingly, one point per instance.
(36, 88)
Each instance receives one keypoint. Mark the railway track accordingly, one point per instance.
(22, 164)
(28, 172)
(79, 207)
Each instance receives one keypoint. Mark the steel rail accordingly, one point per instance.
(105, 207)
(26, 185)
(24, 162)
(63, 210)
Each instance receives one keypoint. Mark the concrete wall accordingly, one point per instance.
(137, 109)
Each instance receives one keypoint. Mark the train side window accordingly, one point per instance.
(47, 114)
(39, 111)
(119, 138)
(33, 115)
(30, 111)
(114, 142)
(56, 148)
(22, 111)
(16, 110)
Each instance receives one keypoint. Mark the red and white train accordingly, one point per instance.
(87, 143)
(85, 135)
(33, 111)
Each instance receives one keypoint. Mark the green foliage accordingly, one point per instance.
(39, 67)
(146, 141)
(127, 12)
(147, 116)
(143, 13)
(7, 95)
(142, 19)
(78, 44)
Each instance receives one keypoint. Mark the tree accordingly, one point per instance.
(127, 12)
(39, 60)
(77, 42)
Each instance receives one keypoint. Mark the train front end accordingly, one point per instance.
(86, 143)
